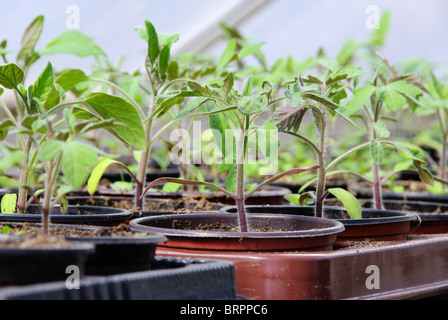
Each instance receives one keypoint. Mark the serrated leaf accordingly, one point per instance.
(381, 130)
(44, 84)
(351, 204)
(164, 59)
(112, 107)
(11, 76)
(289, 119)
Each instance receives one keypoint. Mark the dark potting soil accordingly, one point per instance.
(60, 232)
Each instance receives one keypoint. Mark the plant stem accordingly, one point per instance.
(23, 191)
(241, 143)
(376, 185)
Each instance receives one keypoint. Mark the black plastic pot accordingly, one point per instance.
(266, 232)
(362, 193)
(433, 217)
(88, 215)
(25, 266)
(171, 278)
(378, 225)
(114, 255)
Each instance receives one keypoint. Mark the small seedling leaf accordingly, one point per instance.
(351, 204)
(8, 203)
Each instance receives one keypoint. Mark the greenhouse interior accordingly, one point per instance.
(232, 153)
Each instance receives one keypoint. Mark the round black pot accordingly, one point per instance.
(377, 225)
(35, 265)
(114, 255)
(362, 193)
(100, 216)
(266, 232)
(433, 216)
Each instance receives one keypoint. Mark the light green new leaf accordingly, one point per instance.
(381, 130)
(73, 42)
(8, 203)
(66, 80)
(361, 96)
(29, 39)
(11, 76)
(50, 149)
(350, 203)
(97, 173)
(44, 84)
(227, 56)
(112, 107)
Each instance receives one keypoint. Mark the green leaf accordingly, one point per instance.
(44, 84)
(251, 105)
(8, 203)
(192, 106)
(1, 91)
(50, 149)
(231, 179)
(11, 76)
(29, 41)
(4, 128)
(227, 85)
(351, 204)
(112, 107)
(377, 152)
(227, 56)
(250, 49)
(171, 187)
(361, 97)
(381, 130)
(77, 160)
(164, 59)
(424, 173)
(66, 80)
(153, 42)
(97, 173)
(247, 91)
(73, 42)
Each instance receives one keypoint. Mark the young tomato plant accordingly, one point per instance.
(162, 74)
(320, 95)
(232, 116)
(389, 91)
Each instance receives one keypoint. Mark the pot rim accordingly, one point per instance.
(396, 216)
(107, 213)
(329, 227)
